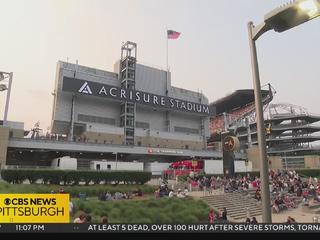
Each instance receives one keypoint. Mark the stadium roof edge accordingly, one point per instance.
(237, 99)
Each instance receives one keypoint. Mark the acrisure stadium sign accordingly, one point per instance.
(107, 91)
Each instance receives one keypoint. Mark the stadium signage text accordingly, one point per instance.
(130, 95)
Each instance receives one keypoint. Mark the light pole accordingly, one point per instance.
(3, 87)
(280, 19)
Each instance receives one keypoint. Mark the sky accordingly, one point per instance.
(211, 55)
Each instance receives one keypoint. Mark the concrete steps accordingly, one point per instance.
(238, 205)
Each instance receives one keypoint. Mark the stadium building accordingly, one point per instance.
(291, 132)
(132, 113)
(134, 105)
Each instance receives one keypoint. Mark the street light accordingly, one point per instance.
(3, 87)
(280, 19)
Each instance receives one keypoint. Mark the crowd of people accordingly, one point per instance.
(286, 187)
(107, 196)
(86, 218)
(252, 221)
(83, 218)
(165, 191)
(220, 217)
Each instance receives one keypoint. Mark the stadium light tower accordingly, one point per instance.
(4, 87)
(280, 19)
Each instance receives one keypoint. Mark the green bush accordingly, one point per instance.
(91, 190)
(309, 172)
(156, 211)
(72, 177)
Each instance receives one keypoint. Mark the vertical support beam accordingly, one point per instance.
(225, 120)
(127, 73)
(72, 117)
(248, 132)
(5, 118)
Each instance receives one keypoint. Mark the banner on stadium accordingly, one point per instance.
(95, 89)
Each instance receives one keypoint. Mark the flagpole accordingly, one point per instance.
(167, 50)
(167, 80)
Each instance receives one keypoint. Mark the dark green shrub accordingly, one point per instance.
(72, 177)
(309, 172)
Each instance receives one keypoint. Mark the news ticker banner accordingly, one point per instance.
(34, 208)
(159, 228)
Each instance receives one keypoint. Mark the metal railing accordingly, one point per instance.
(46, 140)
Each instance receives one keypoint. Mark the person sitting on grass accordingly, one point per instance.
(185, 191)
(108, 196)
(157, 193)
(102, 197)
(80, 219)
(180, 194)
(118, 196)
(125, 195)
(104, 220)
(87, 218)
(138, 193)
(171, 194)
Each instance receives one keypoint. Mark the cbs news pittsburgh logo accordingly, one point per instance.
(34, 208)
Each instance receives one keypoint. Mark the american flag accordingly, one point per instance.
(173, 34)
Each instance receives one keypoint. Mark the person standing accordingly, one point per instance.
(211, 216)
(224, 215)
